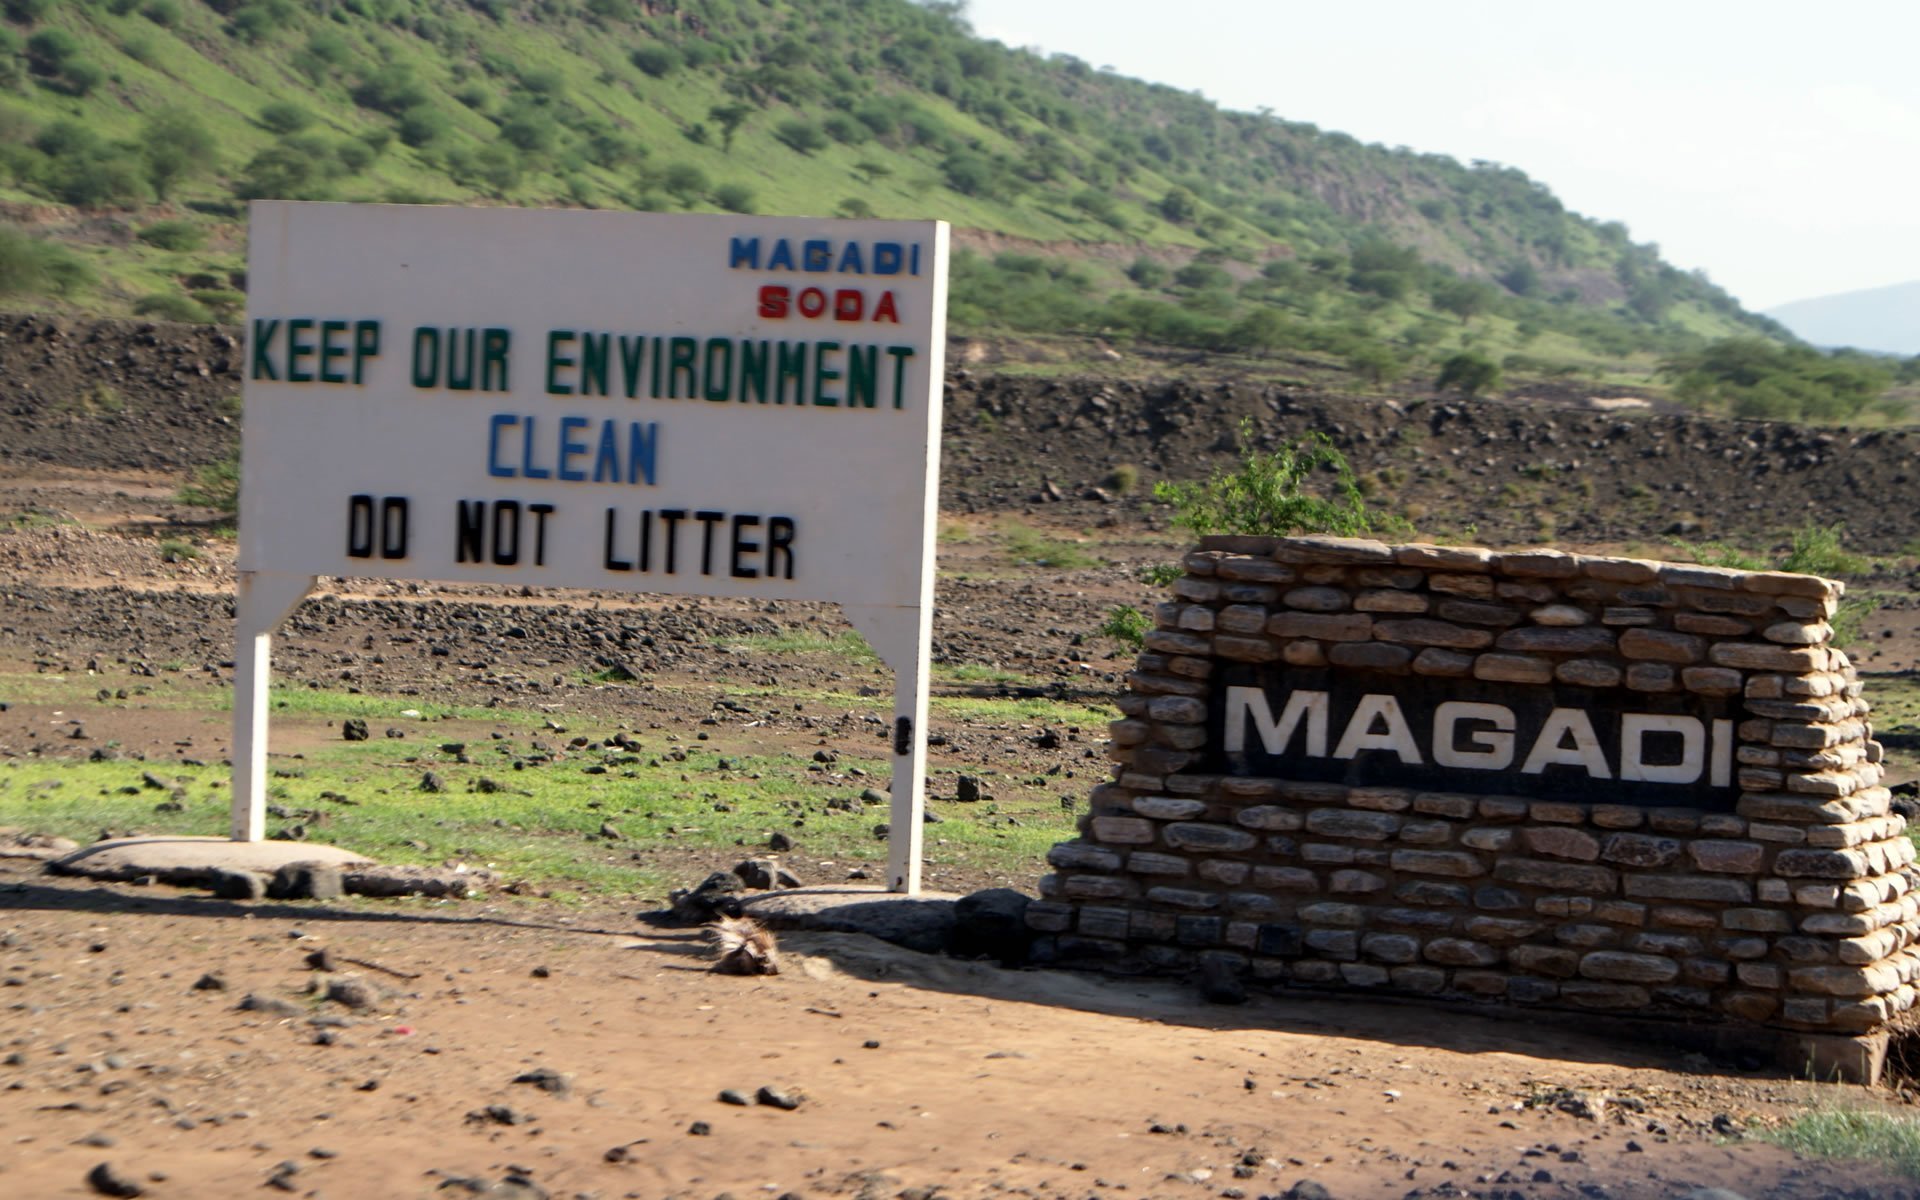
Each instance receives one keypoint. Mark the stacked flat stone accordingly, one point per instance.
(1795, 910)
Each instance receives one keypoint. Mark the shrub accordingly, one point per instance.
(282, 171)
(844, 129)
(354, 156)
(1816, 550)
(734, 197)
(50, 50)
(422, 125)
(1126, 624)
(656, 59)
(854, 208)
(215, 486)
(283, 117)
(1147, 273)
(324, 52)
(1471, 373)
(176, 146)
(31, 266)
(171, 306)
(1123, 478)
(686, 182)
(164, 13)
(391, 90)
(174, 235)
(104, 178)
(26, 12)
(803, 137)
(79, 76)
(1266, 494)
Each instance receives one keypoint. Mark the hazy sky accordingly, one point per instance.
(1774, 145)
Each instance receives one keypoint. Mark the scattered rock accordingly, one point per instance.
(699, 1129)
(353, 993)
(430, 782)
(109, 1182)
(966, 789)
(434, 882)
(718, 894)
(353, 729)
(992, 924)
(1307, 1189)
(548, 1080)
(777, 1098)
(228, 884)
(779, 842)
(736, 1097)
(273, 1006)
(210, 982)
(307, 881)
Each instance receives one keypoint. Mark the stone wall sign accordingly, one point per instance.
(1531, 778)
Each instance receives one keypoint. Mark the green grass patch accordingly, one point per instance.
(848, 645)
(531, 805)
(1883, 1138)
(1025, 546)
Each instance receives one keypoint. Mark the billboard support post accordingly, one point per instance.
(261, 601)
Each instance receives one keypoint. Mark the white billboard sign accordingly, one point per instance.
(683, 404)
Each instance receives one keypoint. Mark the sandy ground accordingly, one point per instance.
(913, 1074)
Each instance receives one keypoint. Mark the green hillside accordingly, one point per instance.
(132, 131)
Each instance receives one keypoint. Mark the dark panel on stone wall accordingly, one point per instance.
(1551, 741)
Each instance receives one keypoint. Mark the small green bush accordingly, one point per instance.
(1816, 550)
(32, 266)
(171, 306)
(656, 59)
(1127, 625)
(215, 486)
(174, 235)
(734, 197)
(284, 117)
(1471, 373)
(1266, 494)
(802, 137)
(422, 125)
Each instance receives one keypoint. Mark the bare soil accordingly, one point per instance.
(919, 1075)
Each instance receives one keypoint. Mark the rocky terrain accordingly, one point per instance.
(127, 396)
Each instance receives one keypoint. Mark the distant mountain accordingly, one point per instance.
(1886, 319)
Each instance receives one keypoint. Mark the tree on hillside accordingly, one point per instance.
(176, 146)
(729, 117)
(1471, 373)
(1464, 298)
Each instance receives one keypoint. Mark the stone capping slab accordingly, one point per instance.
(1793, 908)
(1343, 550)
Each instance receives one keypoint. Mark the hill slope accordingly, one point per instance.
(132, 129)
(1886, 319)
